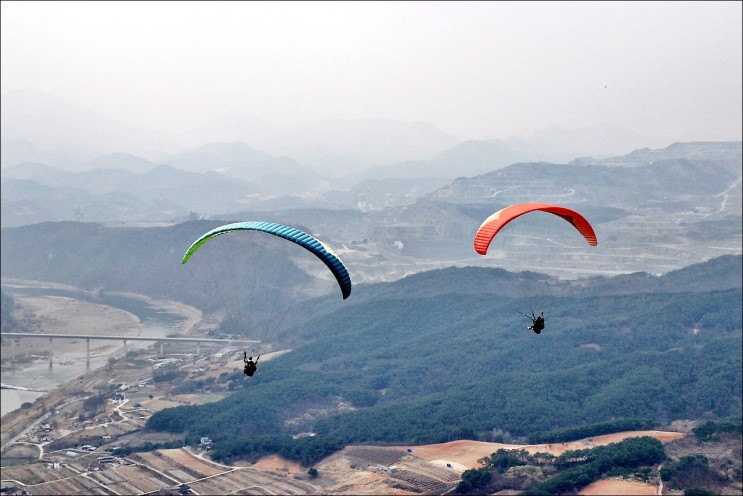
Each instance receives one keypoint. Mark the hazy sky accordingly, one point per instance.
(476, 69)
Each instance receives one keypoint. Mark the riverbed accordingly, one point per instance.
(132, 315)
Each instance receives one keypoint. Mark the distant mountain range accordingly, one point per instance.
(43, 193)
(38, 127)
(653, 210)
(281, 182)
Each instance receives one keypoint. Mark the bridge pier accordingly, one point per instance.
(198, 347)
(87, 349)
(50, 353)
(125, 348)
(12, 350)
(162, 343)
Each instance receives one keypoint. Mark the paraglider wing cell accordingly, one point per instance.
(310, 243)
(495, 222)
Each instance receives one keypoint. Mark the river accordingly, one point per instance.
(40, 377)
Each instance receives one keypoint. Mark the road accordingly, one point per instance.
(25, 431)
(725, 194)
(33, 425)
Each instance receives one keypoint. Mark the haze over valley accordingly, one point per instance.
(372, 141)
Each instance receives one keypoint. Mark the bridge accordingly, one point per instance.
(87, 337)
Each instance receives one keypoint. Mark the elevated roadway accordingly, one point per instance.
(87, 337)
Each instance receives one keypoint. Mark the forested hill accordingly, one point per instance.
(443, 355)
(719, 273)
(147, 260)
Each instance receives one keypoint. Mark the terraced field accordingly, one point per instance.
(404, 470)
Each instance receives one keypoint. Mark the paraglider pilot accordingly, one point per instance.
(537, 323)
(250, 365)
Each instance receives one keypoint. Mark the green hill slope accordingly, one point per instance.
(430, 359)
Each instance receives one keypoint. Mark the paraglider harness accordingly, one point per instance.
(250, 365)
(537, 322)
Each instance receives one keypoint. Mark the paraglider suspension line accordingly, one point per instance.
(530, 318)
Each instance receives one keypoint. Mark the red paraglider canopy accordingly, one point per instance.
(495, 222)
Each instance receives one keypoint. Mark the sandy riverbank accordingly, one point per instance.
(66, 315)
(61, 315)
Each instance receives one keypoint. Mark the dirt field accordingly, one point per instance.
(277, 463)
(359, 466)
(618, 488)
(365, 469)
(465, 454)
(662, 436)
